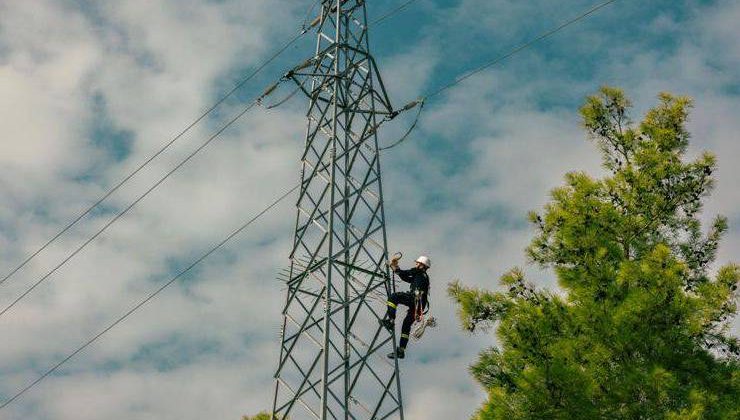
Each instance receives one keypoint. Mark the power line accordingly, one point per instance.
(148, 298)
(522, 47)
(435, 93)
(393, 12)
(180, 134)
(154, 294)
(421, 101)
(129, 207)
(309, 13)
(154, 156)
(179, 275)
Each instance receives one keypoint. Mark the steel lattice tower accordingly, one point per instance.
(333, 361)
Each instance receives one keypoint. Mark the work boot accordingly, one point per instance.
(399, 354)
(387, 323)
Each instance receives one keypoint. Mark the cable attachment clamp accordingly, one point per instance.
(411, 105)
(267, 92)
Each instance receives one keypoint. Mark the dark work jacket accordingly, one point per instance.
(418, 279)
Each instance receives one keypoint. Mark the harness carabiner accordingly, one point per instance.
(418, 305)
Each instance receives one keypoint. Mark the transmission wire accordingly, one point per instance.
(123, 212)
(410, 130)
(147, 299)
(154, 156)
(393, 12)
(179, 275)
(182, 133)
(521, 47)
(129, 207)
(421, 101)
(309, 13)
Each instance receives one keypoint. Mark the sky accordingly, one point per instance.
(90, 89)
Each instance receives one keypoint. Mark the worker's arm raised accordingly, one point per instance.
(404, 275)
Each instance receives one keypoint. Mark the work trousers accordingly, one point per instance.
(405, 299)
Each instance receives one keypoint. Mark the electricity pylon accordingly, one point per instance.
(333, 361)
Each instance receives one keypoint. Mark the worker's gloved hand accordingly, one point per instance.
(393, 263)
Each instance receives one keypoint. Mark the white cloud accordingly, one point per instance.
(156, 67)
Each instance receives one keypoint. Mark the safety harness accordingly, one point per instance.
(419, 309)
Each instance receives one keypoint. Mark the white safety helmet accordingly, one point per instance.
(425, 260)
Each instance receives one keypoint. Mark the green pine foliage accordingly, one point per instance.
(639, 329)
(261, 416)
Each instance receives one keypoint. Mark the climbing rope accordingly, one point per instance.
(421, 327)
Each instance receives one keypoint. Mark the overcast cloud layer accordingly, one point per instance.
(89, 89)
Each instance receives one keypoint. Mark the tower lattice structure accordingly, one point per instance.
(333, 361)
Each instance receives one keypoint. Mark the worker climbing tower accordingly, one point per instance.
(333, 361)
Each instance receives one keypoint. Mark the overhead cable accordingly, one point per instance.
(147, 299)
(420, 102)
(524, 46)
(195, 122)
(138, 169)
(155, 293)
(156, 185)
(393, 11)
(129, 207)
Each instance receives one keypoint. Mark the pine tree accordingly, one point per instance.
(639, 328)
(261, 416)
